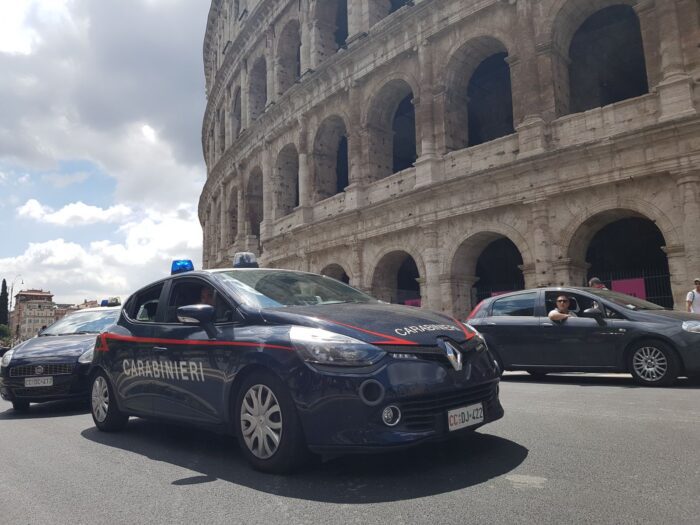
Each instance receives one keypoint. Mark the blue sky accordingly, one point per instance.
(100, 152)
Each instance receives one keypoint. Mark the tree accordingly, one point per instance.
(4, 304)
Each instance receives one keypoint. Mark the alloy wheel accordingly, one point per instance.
(100, 398)
(650, 363)
(261, 421)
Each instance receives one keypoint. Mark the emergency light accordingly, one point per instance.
(245, 260)
(181, 266)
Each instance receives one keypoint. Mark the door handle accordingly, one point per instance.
(490, 324)
(159, 349)
(547, 324)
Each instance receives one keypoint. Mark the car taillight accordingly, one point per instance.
(473, 313)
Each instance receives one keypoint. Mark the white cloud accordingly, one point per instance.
(74, 214)
(17, 36)
(58, 180)
(73, 272)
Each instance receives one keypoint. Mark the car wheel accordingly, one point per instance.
(105, 413)
(653, 363)
(20, 406)
(267, 424)
(537, 374)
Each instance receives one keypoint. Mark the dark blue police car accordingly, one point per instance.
(55, 364)
(290, 361)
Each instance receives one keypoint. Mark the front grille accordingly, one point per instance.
(420, 413)
(41, 391)
(49, 370)
(429, 353)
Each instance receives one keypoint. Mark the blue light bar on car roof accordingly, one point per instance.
(181, 266)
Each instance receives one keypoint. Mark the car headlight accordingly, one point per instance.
(86, 358)
(316, 345)
(7, 358)
(691, 326)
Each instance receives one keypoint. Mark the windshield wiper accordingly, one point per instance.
(81, 332)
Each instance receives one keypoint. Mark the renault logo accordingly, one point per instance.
(453, 354)
(39, 370)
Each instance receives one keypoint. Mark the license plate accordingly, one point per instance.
(465, 416)
(38, 381)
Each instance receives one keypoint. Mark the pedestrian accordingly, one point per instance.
(594, 282)
(561, 312)
(692, 300)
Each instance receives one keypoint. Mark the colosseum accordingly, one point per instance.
(435, 152)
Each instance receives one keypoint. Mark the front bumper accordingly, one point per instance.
(337, 415)
(65, 385)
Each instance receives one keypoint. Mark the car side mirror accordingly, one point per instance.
(199, 314)
(595, 313)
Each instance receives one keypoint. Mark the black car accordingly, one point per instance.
(55, 364)
(612, 332)
(289, 361)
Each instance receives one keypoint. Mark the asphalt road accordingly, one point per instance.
(571, 449)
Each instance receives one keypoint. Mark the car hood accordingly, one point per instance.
(55, 346)
(376, 323)
(669, 315)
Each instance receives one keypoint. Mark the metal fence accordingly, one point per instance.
(657, 284)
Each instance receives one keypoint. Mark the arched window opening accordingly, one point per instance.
(407, 287)
(236, 114)
(404, 129)
(289, 57)
(341, 166)
(330, 156)
(222, 131)
(607, 60)
(257, 91)
(490, 101)
(232, 218)
(341, 24)
(498, 269)
(254, 203)
(627, 256)
(395, 5)
(336, 272)
(395, 279)
(288, 180)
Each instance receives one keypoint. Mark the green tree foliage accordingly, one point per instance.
(4, 305)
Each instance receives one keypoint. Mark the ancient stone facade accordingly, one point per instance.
(373, 140)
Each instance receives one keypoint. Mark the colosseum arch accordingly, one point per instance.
(485, 263)
(331, 27)
(396, 277)
(288, 66)
(236, 113)
(623, 247)
(330, 156)
(599, 57)
(232, 216)
(384, 8)
(254, 202)
(336, 271)
(287, 181)
(391, 122)
(257, 89)
(479, 101)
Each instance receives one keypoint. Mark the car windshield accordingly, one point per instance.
(626, 301)
(89, 322)
(279, 288)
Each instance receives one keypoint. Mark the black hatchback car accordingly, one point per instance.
(289, 361)
(612, 332)
(55, 364)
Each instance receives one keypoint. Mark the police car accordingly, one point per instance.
(288, 362)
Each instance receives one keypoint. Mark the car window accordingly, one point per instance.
(577, 303)
(85, 322)
(188, 291)
(517, 305)
(145, 304)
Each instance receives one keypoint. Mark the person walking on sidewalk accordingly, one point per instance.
(692, 300)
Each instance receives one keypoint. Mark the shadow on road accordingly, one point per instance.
(584, 379)
(422, 471)
(46, 410)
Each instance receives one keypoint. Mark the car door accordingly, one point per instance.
(192, 367)
(512, 327)
(578, 342)
(131, 351)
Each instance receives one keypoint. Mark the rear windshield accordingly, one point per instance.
(279, 288)
(92, 322)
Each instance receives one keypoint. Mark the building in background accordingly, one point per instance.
(437, 152)
(33, 310)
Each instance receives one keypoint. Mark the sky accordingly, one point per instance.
(101, 164)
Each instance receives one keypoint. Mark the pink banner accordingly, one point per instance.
(412, 302)
(633, 287)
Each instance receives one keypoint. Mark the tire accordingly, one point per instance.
(104, 410)
(270, 435)
(653, 363)
(537, 374)
(20, 406)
